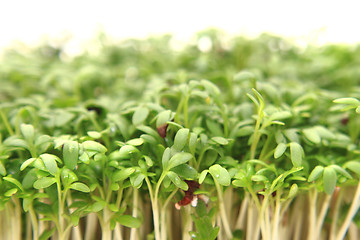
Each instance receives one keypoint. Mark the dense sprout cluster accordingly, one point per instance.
(243, 136)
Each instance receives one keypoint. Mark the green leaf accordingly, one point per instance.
(259, 178)
(185, 171)
(14, 181)
(128, 221)
(214, 127)
(312, 135)
(293, 191)
(26, 204)
(94, 134)
(178, 159)
(340, 170)
(177, 181)
(280, 115)
(329, 178)
(276, 183)
(94, 146)
(137, 179)
(29, 179)
(75, 218)
(220, 140)
(192, 142)
(140, 115)
(201, 209)
(135, 142)
(11, 192)
(163, 117)
(121, 175)
(149, 131)
(71, 154)
(50, 163)
(113, 207)
(315, 173)
(279, 150)
(84, 158)
(44, 182)
(98, 206)
(220, 174)
(2, 169)
(81, 187)
(181, 138)
(27, 163)
(68, 176)
(166, 157)
(348, 101)
(27, 130)
(202, 176)
(353, 166)
(210, 87)
(127, 151)
(239, 183)
(16, 142)
(47, 234)
(149, 161)
(296, 153)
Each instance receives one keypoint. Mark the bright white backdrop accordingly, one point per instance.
(316, 21)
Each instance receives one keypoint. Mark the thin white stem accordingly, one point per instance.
(240, 222)
(263, 215)
(135, 213)
(353, 232)
(351, 213)
(250, 221)
(335, 215)
(222, 211)
(322, 215)
(312, 213)
(187, 224)
(118, 232)
(276, 219)
(91, 225)
(163, 214)
(297, 218)
(221, 232)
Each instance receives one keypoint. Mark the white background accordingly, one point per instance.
(313, 21)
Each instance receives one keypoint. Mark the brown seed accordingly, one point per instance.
(162, 130)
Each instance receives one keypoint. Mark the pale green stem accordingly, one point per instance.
(34, 222)
(91, 224)
(155, 205)
(163, 214)
(17, 216)
(276, 220)
(322, 215)
(312, 214)
(222, 211)
(240, 222)
(60, 210)
(351, 213)
(256, 136)
(186, 111)
(335, 216)
(187, 224)
(6, 123)
(76, 234)
(135, 212)
(263, 218)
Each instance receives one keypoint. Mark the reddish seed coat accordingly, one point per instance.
(162, 130)
(344, 121)
(189, 194)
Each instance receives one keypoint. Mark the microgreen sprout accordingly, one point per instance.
(248, 139)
